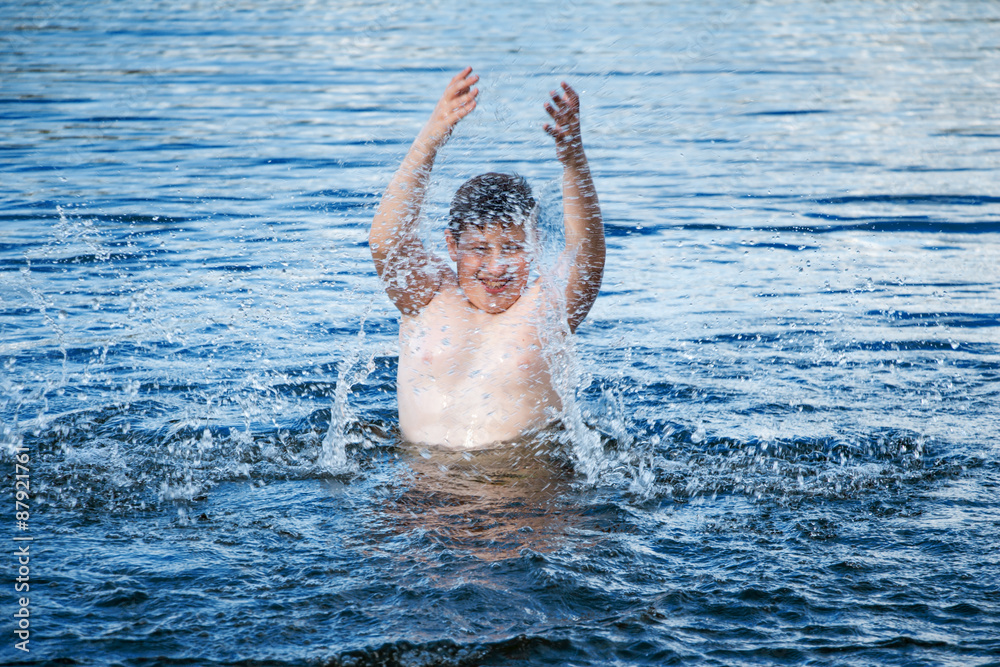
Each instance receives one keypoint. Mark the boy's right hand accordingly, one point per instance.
(458, 101)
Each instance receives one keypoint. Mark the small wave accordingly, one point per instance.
(787, 112)
(839, 224)
(949, 319)
(910, 199)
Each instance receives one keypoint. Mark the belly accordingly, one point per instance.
(475, 400)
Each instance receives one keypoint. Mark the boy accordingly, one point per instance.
(471, 366)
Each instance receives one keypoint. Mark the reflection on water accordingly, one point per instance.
(489, 502)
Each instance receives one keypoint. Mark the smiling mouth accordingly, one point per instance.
(494, 285)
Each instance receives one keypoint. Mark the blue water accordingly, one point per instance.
(784, 446)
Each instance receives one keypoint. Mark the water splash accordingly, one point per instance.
(559, 346)
(350, 371)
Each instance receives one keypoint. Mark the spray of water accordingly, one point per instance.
(353, 369)
(566, 366)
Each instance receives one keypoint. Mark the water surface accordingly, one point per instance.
(784, 448)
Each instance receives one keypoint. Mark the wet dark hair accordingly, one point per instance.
(492, 197)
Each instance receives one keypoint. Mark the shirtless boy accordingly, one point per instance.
(472, 371)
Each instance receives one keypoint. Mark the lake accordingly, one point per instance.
(782, 444)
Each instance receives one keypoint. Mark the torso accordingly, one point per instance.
(467, 378)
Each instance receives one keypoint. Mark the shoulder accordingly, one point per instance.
(540, 295)
(535, 307)
(447, 299)
(412, 302)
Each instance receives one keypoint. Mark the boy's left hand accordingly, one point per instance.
(566, 127)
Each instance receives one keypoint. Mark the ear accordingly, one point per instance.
(452, 241)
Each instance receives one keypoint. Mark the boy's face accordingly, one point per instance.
(493, 263)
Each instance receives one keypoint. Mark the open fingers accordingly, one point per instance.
(559, 110)
(467, 94)
(568, 101)
(463, 104)
(464, 87)
(462, 82)
(556, 99)
(557, 129)
(461, 76)
(464, 101)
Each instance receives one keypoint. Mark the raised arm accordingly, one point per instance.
(585, 248)
(410, 274)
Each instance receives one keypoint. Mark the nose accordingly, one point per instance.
(495, 263)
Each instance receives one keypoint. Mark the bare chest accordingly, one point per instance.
(453, 349)
(468, 378)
